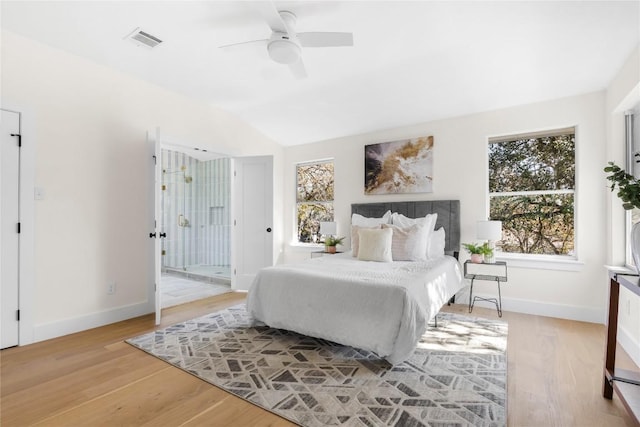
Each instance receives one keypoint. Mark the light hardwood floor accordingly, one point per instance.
(93, 378)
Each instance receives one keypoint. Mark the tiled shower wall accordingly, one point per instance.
(200, 192)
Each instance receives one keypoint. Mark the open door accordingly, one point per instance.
(153, 139)
(252, 201)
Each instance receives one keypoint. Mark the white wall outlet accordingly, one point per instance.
(111, 287)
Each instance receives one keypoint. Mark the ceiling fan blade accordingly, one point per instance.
(270, 14)
(298, 69)
(327, 39)
(228, 47)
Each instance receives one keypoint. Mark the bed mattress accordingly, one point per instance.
(380, 307)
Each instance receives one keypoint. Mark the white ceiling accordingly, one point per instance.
(412, 62)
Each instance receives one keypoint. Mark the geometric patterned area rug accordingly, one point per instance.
(456, 377)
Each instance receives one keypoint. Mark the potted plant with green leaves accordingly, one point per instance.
(330, 243)
(629, 192)
(478, 251)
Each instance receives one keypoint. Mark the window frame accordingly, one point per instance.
(632, 148)
(567, 262)
(628, 256)
(297, 204)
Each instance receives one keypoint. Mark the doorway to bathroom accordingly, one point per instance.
(196, 217)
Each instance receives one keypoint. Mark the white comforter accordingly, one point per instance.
(381, 307)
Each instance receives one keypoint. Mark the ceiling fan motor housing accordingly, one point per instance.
(283, 49)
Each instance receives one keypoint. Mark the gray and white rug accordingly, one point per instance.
(456, 377)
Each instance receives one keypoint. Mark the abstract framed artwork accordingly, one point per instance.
(404, 166)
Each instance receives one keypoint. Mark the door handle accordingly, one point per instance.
(152, 235)
(268, 229)
(163, 235)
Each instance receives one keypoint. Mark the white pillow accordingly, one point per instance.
(375, 244)
(355, 240)
(402, 221)
(362, 221)
(436, 244)
(409, 244)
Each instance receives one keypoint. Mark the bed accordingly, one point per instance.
(383, 307)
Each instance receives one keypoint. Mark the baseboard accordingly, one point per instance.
(585, 314)
(59, 328)
(629, 344)
(561, 311)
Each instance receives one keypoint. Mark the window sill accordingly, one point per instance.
(541, 263)
(305, 247)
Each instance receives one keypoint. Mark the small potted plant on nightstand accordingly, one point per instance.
(478, 252)
(330, 243)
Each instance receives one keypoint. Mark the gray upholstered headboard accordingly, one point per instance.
(448, 215)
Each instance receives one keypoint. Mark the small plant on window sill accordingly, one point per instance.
(478, 252)
(330, 243)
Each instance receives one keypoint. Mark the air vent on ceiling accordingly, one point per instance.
(142, 38)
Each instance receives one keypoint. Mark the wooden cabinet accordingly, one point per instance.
(626, 384)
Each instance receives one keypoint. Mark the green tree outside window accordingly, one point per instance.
(314, 198)
(531, 190)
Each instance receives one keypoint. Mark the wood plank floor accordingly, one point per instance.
(93, 378)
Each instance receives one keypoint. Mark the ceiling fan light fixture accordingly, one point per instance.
(284, 51)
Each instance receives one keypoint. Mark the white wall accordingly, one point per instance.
(460, 172)
(91, 158)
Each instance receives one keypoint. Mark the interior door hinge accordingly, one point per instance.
(18, 315)
(19, 138)
(18, 228)
(155, 161)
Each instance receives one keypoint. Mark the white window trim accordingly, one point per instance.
(631, 119)
(305, 246)
(532, 193)
(628, 257)
(542, 262)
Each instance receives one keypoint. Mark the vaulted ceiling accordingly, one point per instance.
(411, 62)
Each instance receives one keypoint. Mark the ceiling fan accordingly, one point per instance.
(285, 44)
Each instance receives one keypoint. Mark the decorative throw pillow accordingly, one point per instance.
(402, 221)
(436, 244)
(362, 221)
(410, 243)
(355, 239)
(375, 244)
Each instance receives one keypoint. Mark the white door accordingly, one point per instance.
(252, 200)
(153, 140)
(9, 232)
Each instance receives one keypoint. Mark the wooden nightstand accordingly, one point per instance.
(495, 272)
(316, 254)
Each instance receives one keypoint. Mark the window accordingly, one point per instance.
(314, 198)
(531, 190)
(632, 146)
